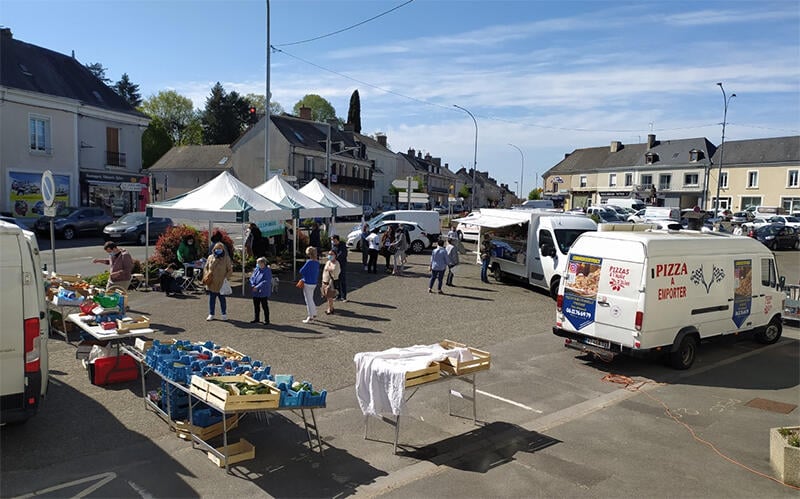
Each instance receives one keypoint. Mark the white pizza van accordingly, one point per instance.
(530, 245)
(641, 292)
(23, 325)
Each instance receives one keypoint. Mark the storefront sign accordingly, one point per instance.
(26, 196)
(615, 194)
(131, 186)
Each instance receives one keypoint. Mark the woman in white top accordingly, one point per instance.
(330, 274)
(374, 241)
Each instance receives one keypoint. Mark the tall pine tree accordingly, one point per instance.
(128, 91)
(224, 117)
(354, 112)
(99, 71)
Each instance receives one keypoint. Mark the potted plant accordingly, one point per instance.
(784, 453)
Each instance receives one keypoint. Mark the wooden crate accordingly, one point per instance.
(184, 430)
(229, 353)
(142, 344)
(482, 360)
(69, 277)
(430, 373)
(137, 322)
(220, 398)
(238, 452)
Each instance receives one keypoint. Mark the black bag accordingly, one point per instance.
(392, 250)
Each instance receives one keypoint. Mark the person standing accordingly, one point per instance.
(254, 242)
(309, 275)
(120, 265)
(218, 267)
(364, 244)
(187, 253)
(330, 276)
(438, 266)
(452, 259)
(338, 247)
(314, 237)
(386, 242)
(374, 243)
(261, 285)
(217, 237)
(401, 246)
(485, 253)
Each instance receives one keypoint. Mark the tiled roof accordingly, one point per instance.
(35, 69)
(209, 158)
(777, 150)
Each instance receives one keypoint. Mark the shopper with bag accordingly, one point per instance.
(216, 274)
(330, 274)
(309, 273)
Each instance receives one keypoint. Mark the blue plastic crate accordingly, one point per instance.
(314, 400)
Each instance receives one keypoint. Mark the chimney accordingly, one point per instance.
(651, 140)
(616, 145)
(566, 155)
(437, 161)
(6, 33)
(305, 113)
(427, 156)
(419, 154)
(381, 138)
(411, 152)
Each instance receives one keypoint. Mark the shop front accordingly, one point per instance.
(117, 194)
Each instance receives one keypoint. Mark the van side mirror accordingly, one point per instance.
(548, 250)
(781, 283)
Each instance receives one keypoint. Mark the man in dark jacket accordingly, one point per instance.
(340, 249)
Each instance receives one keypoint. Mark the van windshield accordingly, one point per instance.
(566, 237)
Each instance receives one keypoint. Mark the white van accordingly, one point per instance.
(643, 292)
(24, 330)
(428, 220)
(661, 213)
(531, 245)
(632, 203)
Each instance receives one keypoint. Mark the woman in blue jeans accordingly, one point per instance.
(218, 268)
(438, 266)
(486, 251)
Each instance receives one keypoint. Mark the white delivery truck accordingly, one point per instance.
(24, 329)
(531, 245)
(642, 292)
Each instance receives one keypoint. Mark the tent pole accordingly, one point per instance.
(243, 272)
(294, 248)
(146, 252)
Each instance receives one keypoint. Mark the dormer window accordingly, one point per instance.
(695, 155)
(650, 158)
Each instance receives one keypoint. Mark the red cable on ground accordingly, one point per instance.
(628, 382)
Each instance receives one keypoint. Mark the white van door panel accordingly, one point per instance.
(12, 346)
(618, 298)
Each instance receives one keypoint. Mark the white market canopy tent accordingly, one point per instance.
(281, 192)
(222, 199)
(496, 218)
(324, 196)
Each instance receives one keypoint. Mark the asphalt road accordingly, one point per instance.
(548, 423)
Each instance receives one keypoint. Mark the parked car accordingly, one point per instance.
(755, 223)
(637, 217)
(741, 217)
(776, 236)
(131, 228)
(467, 231)
(786, 220)
(71, 221)
(419, 238)
(8, 217)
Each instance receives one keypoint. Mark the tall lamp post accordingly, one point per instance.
(726, 100)
(522, 171)
(474, 158)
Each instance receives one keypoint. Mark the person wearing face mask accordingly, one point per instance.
(218, 267)
(187, 253)
(120, 265)
(330, 274)
(261, 285)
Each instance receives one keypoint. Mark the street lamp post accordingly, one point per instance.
(521, 172)
(726, 100)
(474, 158)
(516, 188)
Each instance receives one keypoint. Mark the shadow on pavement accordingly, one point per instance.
(482, 449)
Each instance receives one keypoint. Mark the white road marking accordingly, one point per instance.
(103, 478)
(507, 401)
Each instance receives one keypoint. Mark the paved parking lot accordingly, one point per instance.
(549, 424)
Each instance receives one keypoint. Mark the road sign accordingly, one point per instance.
(48, 188)
(49, 211)
(416, 197)
(403, 184)
(131, 186)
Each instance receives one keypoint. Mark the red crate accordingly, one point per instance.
(110, 370)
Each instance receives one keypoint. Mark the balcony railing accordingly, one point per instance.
(307, 176)
(114, 158)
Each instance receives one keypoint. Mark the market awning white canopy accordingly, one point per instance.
(281, 192)
(222, 199)
(324, 196)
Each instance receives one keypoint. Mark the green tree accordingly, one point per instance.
(224, 117)
(464, 192)
(128, 91)
(156, 141)
(176, 115)
(321, 109)
(354, 112)
(99, 71)
(535, 194)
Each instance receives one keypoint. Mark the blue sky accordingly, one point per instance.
(546, 76)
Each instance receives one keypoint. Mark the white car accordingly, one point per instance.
(419, 238)
(467, 231)
(756, 223)
(786, 220)
(637, 217)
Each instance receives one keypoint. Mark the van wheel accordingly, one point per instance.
(460, 235)
(771, 333)
(774, 246)
(684, 356)
(417, 246)
(69, 233)
(497, 273)
(554, 288)
(142, 239)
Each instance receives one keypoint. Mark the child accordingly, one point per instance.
(261, 284)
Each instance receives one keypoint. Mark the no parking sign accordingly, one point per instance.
(48, 192)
